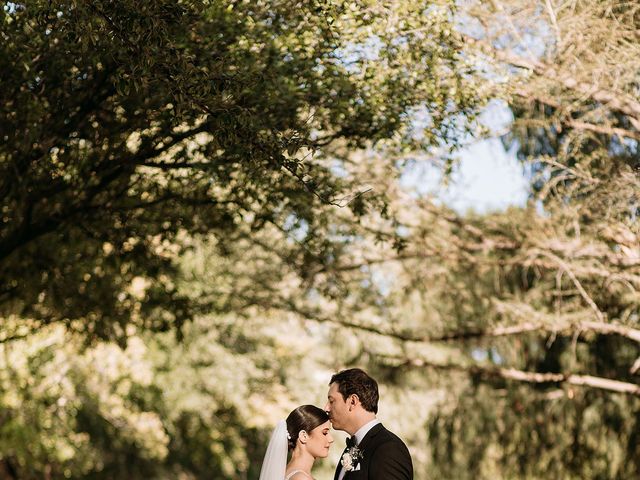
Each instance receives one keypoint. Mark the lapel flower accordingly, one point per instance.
(350, 458)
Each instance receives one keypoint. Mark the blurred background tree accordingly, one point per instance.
(203, 217)
(546, 295)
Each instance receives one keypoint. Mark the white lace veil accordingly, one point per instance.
(274, 464)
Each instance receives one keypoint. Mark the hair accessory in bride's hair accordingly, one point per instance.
(288, 436)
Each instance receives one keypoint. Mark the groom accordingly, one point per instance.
(373, 452)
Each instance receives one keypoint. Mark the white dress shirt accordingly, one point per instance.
(360, 434)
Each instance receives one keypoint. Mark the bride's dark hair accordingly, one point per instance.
(305, 417)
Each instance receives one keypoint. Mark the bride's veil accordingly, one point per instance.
(274, 464)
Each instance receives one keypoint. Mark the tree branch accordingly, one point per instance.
(30, 231)
(534, 377)
(577, 124)
(615, 100)
(143, 157)
(603, 129)
(568, 327)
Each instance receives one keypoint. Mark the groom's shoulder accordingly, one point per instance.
(386, 435)
(389, 447)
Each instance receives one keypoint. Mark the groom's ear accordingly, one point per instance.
(353, 401)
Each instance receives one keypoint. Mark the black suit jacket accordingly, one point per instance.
(384, 457)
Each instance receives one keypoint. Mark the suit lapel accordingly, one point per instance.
(362, 446)
(368, 438)
(339, 467)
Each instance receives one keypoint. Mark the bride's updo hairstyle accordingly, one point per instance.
(305, 417)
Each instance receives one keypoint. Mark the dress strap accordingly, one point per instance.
(294, 472)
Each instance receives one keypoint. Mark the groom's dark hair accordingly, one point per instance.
(356, 381)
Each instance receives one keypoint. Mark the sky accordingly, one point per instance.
(487, 178)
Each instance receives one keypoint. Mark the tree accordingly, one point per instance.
(196, 172)
(132, 132)
(525, 309)
(532, 313)
(157, 408)
(126, 126)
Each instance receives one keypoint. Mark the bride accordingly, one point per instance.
(306, 433)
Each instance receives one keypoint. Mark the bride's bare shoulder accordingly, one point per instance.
(300, 476)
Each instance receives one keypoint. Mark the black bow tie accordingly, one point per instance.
(352, 441)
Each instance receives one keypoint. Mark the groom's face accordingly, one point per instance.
(337, 408)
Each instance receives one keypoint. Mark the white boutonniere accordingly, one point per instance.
(350, 459)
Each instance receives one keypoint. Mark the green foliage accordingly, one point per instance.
(127, 126)
(157, 409)
(69, 412)
(170, 161)
(520, 432)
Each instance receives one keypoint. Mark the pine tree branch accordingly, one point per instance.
(533, 377)
(603, 129)
(567, 328)
(614, 100)
(567, 122)
(583, 293)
